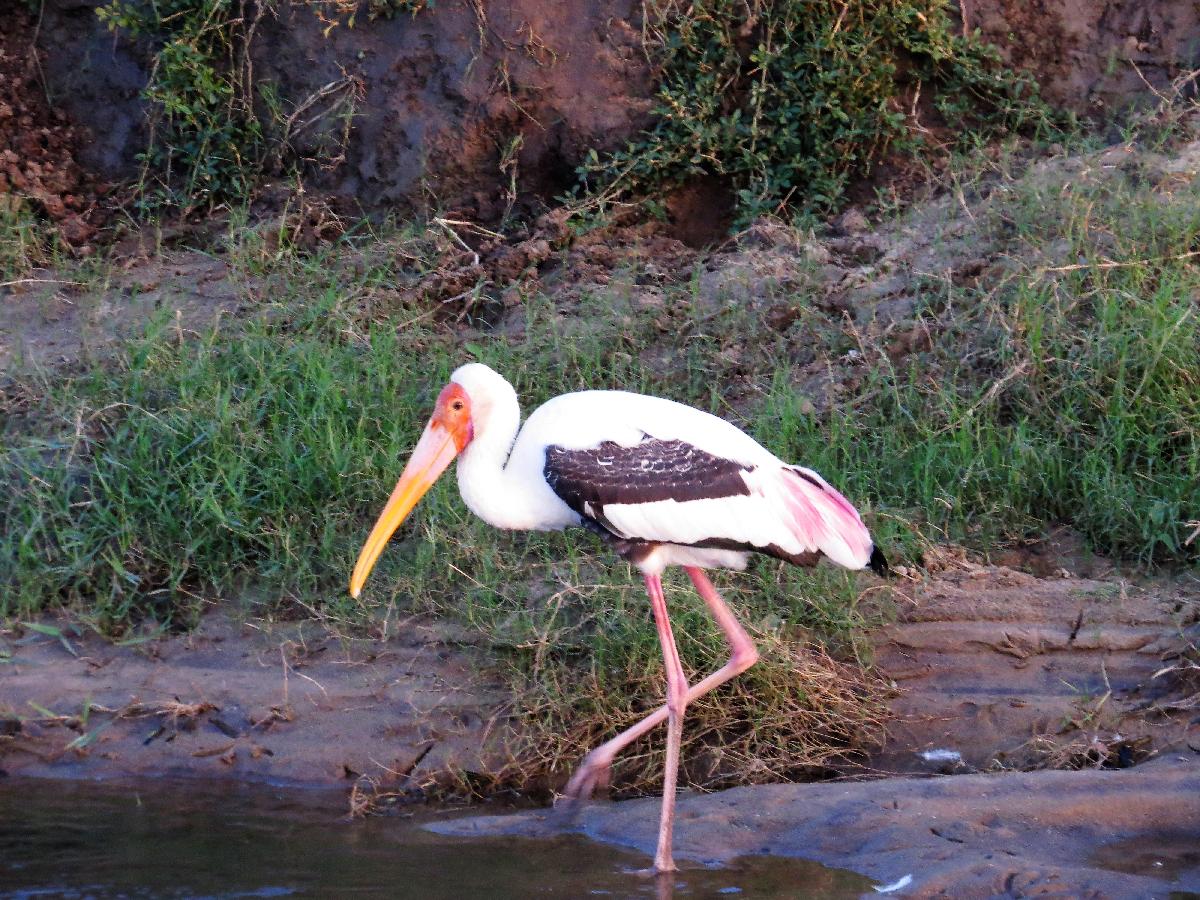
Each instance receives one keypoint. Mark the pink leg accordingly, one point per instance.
(677, 691)
(593, 771)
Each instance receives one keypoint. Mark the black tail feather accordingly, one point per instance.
(879, 564)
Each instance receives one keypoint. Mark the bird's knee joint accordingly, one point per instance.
(599, 758)
(744, 658)
(677, 698)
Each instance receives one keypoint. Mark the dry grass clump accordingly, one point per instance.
(1097, 750)
(796, 715)
(575, 646)
(799, 714)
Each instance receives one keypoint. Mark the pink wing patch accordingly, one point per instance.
(822, 519)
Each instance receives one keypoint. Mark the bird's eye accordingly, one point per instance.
(456, 405)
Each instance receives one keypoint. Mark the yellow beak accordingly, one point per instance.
(434, 452)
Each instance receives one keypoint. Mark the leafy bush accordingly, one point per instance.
(790, 98)
(206, 143)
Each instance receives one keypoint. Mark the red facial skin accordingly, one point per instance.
(453, 413)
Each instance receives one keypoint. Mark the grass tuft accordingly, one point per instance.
(25, 242)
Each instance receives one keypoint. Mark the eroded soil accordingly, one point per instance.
(39, 145)
(241, 698)
(464, 105)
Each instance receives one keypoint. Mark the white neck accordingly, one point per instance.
(488, 488)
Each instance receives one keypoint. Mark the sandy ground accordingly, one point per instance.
(1009, 670)
(52, 323)
(996, 668)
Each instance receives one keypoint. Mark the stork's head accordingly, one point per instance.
(450, 429)
(475, 397)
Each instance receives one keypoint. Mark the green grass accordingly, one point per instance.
(1089, 417)
(252, 461)
(200, 467)
(259, 453)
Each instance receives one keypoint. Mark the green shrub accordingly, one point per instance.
(206, 143)
(789, 99)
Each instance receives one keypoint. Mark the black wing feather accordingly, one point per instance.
(588, 480)
(652, 470)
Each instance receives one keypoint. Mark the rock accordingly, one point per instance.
(1061, 834)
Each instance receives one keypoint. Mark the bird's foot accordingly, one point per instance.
(592, 775)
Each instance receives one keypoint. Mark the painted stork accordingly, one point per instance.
(665, 483)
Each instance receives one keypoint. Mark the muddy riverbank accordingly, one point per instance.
(994, 668)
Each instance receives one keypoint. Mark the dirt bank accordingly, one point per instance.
(1001, 667)
(459, 104)
(1005, 669)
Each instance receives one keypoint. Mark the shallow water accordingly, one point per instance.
(192, 840)
(1166, 855)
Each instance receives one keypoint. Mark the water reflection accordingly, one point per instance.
(159, 839)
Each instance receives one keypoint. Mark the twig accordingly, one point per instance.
(283, 659)
(998, 385)
(837, 26)
(291, 129)
(471, 226)
(1195, 534)
(1177, 84)
(4, 284)
(140, 409)
(1112, 264)
(445, 224)
(314, 681)
(37, 60)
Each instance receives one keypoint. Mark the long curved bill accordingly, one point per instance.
(434, 451)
